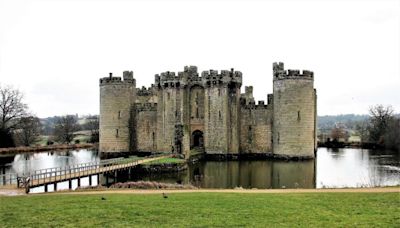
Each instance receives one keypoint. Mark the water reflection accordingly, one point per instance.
(64, 185)
(28, 162)
(245, 174)
(332, 168)
(357, 168)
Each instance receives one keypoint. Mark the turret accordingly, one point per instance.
(294, 112)
(222, 104)
(117, 96)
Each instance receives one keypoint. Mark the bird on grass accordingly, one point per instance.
(164, 195)
(102, 198)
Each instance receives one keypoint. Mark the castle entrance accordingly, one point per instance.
(197, 139)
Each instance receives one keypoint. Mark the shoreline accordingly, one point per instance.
(31, 149)
(20, 192)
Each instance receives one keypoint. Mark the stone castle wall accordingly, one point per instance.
(146, 127)
(116, 98)
(294, 113)
(256, 128)
(179, 109)
(216, 106)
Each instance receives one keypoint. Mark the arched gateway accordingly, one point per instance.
(197, 139)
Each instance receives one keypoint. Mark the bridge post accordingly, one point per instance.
(45, 187)
(90, 180)
(115, 176)
(4, 175)
(55, 186)
(70, 184)
(79, 182)
(98, 179)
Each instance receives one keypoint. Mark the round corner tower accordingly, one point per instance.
(116, 101)
(294, 113)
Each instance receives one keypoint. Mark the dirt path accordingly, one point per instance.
(159, 191)
(11, 192)
(16, 192)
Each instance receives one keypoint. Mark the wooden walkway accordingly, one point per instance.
(68, 173)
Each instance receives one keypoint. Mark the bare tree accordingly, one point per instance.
(27, 130)
(12, 109)
(65, 128)
(392, 135)
(92, 124)
(362, 130)
(94, 129)
(381, 116)
(338, 133)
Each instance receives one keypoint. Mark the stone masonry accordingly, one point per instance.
(189, 113)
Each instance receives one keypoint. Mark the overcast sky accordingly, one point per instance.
(56, 51)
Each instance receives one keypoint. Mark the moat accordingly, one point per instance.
(338, 168)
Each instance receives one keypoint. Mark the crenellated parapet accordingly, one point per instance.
(126, 79)
(212, 78)
(145, 107)
(253, 105)
(190, 77)
(145, 91)
(191, 71)
(167, 79)
(270, 98)
(280, 73)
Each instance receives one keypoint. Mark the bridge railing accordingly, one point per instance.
(62, 173)
(83, 169)
(55, 174)
(8, 179)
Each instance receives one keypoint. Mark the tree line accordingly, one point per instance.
(382, 128)
(19, 127)
(379, 129)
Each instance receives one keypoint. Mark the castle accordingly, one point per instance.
(191, 113)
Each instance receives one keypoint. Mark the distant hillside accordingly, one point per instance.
(349, 120)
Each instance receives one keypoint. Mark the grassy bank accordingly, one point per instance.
(166, 161)
(202, 209)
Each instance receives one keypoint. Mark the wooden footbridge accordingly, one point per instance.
(48, 176)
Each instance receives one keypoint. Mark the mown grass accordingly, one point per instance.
(202, 210)
(166, 161)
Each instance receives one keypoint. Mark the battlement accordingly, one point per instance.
(144, 91)
(145, 107)
(280, 73)
(127, 79)
(127, 75)
(248, 90)
(190, 76)
(270, 98)
(192, 70)
(252, 104)
(167, 79)
(225, 77)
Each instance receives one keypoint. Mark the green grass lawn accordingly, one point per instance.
(166, 161)
(202, 210)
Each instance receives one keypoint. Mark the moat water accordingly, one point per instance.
(333, 168)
